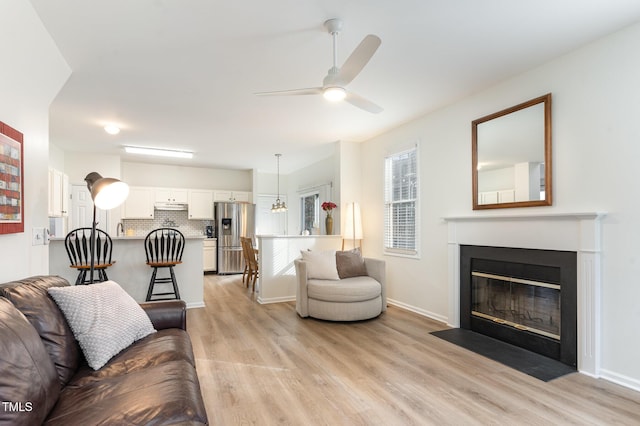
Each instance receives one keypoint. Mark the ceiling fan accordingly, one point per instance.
(333, 85)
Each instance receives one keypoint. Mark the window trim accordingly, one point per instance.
(302, 197)
(391, 251)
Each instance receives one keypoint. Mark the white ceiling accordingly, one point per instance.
(182, 74)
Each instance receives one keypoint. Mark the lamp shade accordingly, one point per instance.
(106, 193)
(353, 222)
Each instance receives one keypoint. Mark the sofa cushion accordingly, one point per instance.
(103, 317)
(321, 265)
(155, 349)
(354, 289)
(350, 264)
(168, 393)
(28, 378)
(31, 298)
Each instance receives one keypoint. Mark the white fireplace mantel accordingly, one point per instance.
(579, 232)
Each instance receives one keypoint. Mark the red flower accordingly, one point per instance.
(327, 206)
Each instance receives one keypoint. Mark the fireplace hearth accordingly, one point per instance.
(523, 297)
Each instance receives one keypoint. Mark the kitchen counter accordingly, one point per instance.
(131, 271)
(141, 237)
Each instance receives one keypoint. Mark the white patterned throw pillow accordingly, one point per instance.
(103, 317)
(321, 265)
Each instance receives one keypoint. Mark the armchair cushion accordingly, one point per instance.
(104, 319)
(321, 265)
(355, 289)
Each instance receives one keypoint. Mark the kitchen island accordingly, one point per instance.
(131, 271)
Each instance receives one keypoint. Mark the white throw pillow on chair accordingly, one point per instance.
(321, 265)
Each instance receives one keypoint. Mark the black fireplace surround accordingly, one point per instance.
(557, 270)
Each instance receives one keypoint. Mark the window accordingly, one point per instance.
(401, 204)
(310, 211)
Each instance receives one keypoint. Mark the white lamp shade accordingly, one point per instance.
(111, 194)
(106, 193)
(353, 222)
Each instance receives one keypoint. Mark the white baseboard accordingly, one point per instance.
(276, 300)
(192, 305)
(422, 312)
(620, 379)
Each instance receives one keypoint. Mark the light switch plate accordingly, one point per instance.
(37, 236)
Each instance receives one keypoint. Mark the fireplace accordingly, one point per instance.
(524, 297)
(578, 232)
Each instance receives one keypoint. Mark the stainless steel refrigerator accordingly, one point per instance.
(233, 220)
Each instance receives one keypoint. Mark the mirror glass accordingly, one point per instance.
(512, 156)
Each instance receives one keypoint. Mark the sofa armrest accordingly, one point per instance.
(302, 299)
(166, 313)
(376, 269)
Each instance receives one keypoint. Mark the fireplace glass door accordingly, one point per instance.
(525, 305)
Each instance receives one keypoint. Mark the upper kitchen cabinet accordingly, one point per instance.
(58, 194)
(232, 196)
(200, 204)
(139, 203)
(171, 195)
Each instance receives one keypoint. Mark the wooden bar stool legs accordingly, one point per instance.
(163, 248)
(164, 280)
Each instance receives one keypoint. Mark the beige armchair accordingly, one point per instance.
(348, 299)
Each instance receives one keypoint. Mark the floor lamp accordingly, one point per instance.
(353, 225)
(106, 194)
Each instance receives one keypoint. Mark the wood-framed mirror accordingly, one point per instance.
(511, 156)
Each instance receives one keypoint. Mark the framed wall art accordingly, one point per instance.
(11, 180)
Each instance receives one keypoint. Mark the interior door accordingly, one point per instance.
(267, 222)
(82, 209)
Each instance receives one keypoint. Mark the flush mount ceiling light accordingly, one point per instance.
(112, 129)
(158, 152)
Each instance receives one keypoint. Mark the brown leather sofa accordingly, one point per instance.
(44, 378)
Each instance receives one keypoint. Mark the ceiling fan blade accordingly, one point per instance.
(362, 103)
(294, 92)
(358, 58)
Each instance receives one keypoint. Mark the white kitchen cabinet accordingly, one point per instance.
(171, 195)
(232, 196)
(139, 203)
(200, 204)
(58, 194)
(210, 255)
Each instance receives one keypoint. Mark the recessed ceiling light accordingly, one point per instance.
(112, 129)
(158, 152)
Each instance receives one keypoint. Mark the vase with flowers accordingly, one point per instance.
(328, 206)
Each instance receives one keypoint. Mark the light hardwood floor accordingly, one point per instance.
(264, 365)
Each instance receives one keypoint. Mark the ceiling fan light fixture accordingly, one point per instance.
(334, 94)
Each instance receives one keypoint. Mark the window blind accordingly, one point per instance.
(400, 198)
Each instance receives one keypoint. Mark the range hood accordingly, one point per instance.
(170, 206)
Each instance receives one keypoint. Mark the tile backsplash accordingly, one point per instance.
(166, 219)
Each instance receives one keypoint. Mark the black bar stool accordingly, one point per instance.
(163, 247)
(78, 245)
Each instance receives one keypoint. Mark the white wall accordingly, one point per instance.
(596, 147)
(159, 175)
(32, 73)
(324, 172)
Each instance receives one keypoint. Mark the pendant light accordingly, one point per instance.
(279, 206)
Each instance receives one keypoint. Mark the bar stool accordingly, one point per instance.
(163, 247)
(78, 245)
